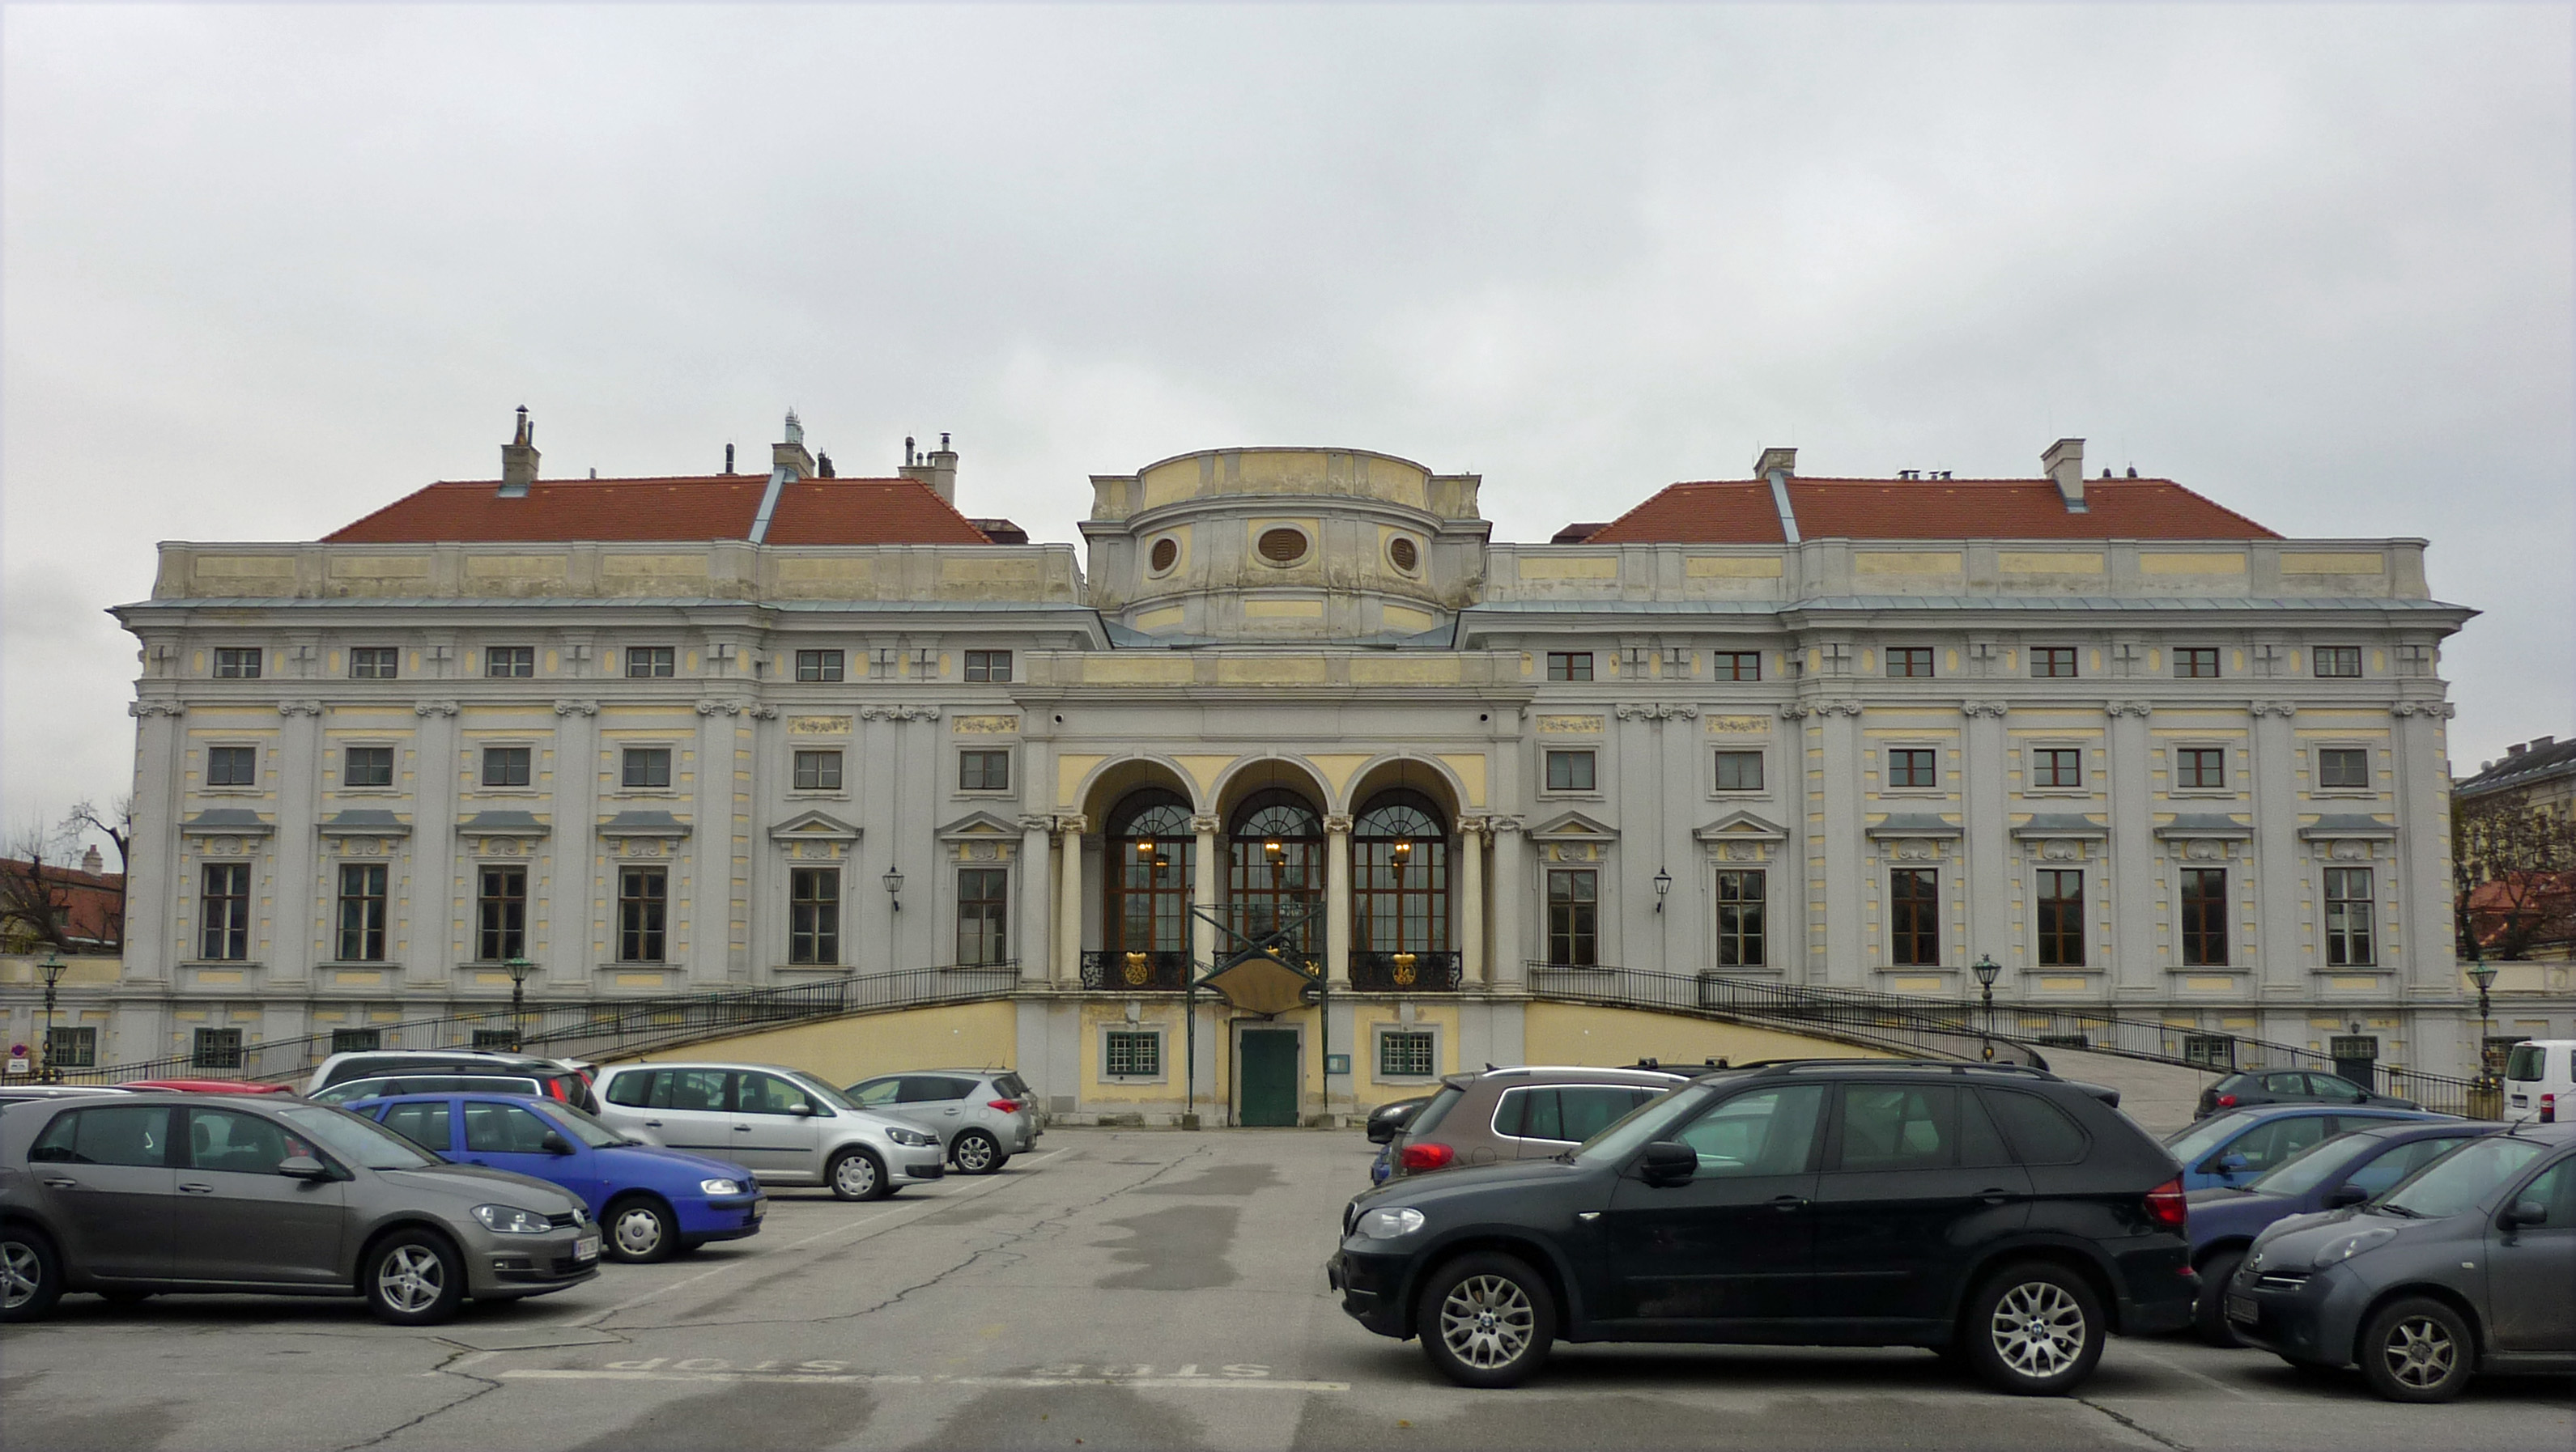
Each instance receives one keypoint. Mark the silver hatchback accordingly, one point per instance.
(982, 1116)
(784, 1125)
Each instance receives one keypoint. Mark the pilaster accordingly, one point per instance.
(2279, 966)
(299, 770)
(2135, 973)
(1337, 899)
(429, 909)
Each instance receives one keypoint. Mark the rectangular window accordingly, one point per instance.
(374, 663)
(1914, 917)
(650, 662)
(1573, 918)
(818, 665)
(1739, 771)
(1132, 1054)
(983, 771)
(2349, 919)
(643, 902)
(646, 767)
(1569, 771)
(2057, 767)
(72, 1048)
(215, 1049)
(1407, 1053)
(818, 771)
(362, 912)
(983, 898)
(2200, 768)
(232, 766)
(2209, 1051)
(814, 915)
(1739, 920)
(988, 665)
(506, 766)
(237, 662)
(1909, 767)
(1569, 665)
(510, 662)
(367, 766)
(2343, 768)
(2061, 918)
(1735, 665)
(2195, 662)
(1909, 660)
(223, 912)
(2204, 917)
(357, 1041)
(501, 914)
(2337, 660)
(2052, 661)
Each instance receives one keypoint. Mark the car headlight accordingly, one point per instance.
(719, 1187)
(2345, 1247)
(511, 1220)
(1389, 1223)
(912, 1138)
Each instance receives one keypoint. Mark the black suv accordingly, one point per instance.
(2006, 1217)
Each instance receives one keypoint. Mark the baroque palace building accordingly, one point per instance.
(672, 735)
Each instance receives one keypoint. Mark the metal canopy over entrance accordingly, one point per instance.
(1268, 973)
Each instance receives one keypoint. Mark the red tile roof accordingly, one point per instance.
(705, 507)
(1733, 512)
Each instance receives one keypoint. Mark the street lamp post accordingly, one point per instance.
(53, 969)
(519, 968)
(1986, 968)
(2483, 974)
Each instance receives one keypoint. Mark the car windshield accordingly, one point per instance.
(362, 1142)
(1643, 1124)
(2314, 1165)
(2459, 1180)
(583, 1125)
(2207, 1135)
(1428, 1119)
(821, 1090)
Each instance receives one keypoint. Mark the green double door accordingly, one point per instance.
(1266, 1069)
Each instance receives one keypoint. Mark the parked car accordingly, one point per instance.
(151, 1193)
(982, 1117)
(2004, 1214)
(2463, 1269)
(2345, 1170)
(788, 1126)
(1533, 1112)
(204, 1086)
(382, 1086)
(1385, 1123)
(41, 1093)
(2242, 1145)
(2540, 1080)
(2255, 1089)
(651, 1203)
(560, 1079)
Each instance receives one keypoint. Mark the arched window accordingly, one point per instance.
(1150, 845)
(1277, 846)
(1400, 875)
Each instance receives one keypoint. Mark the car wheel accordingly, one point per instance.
(414, 1278)
(31, 1274)
(640, 1231)
(2418, 1351)
(855, 1174)
(2209, 1312)
(1486, 1321)
(976, 1153)
(2033, 1330)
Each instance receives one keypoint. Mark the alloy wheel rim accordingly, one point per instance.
(412, 1278)
(1487, 1322)
(858, 1174)
(2421, 1352)
(2038, 1329)
(639, 1231)
(20, 1274)
(974, 1152)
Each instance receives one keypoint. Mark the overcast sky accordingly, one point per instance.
(266, 269)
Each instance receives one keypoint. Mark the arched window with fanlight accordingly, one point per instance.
(1277, 846)
(1149, 858)
(1400, 875)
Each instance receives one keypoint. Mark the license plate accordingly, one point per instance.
(586, 1248)
(2241, 1308)
(2519, 1101)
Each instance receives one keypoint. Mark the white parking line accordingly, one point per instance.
(855, 1378)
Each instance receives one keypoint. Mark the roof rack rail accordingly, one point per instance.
(1956, 1066)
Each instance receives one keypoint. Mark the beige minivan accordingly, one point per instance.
(1527, 1113)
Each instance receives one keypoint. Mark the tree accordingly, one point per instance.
(116, 824)
(35, 898)
(2513, 877)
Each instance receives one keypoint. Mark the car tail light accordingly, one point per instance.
(2549, 1109)
(2227, 1101)
(1007, 1106)
(1426, 1157)
(555, 1090)
(2166, 1206)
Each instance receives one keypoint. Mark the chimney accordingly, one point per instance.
(91, 862)
(519, 459)
(1777, 465)
(936, 468)
(2064, 462)
(2543, 743)
(2514, 750)
(790, 455)
(728, 458)
(823, 466)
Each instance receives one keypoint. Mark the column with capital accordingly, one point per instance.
(2279, 965)
(1337, 899)
(567, 895)
(2131, 880)
(1203, 935)
(2419, 931)
(1068, 919)
(293, 922)
(1471, 900)
(1848, 959)
(153, 885)
(1037, 899)
(1511, 900)
(429, 909)
(1987, 804)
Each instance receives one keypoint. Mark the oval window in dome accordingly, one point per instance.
(1283, 546)
(1166, 553)
(1406, 557)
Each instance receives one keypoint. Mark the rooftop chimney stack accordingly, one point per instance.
(935, 467)
(790, 454)
(519, 459)
(2064, 462)
(728, 458)
(91, 862)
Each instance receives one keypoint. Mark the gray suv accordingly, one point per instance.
(784, 1125)
(982, 1117)
(143, 1194)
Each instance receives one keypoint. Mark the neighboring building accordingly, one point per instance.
(49, 909)
(674, 734)
(2514, 832)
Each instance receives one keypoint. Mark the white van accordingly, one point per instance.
(2540, 1081)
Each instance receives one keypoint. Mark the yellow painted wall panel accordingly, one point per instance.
(1471, 774)
(843, 1050)
(2346, 564)
(1905, 562)
(1069, 772)
(1580, 1033)
(1270, 670)
(2165, 563)
(1138, 670)
(1732, 567)
(1578, 567)
(1432, 670)
(2048, 562)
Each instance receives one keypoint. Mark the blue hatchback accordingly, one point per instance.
(2234, 1149)
(2345, 1170)
(651, 1203)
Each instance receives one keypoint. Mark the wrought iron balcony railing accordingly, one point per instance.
(1424, 972)
(1119, 970)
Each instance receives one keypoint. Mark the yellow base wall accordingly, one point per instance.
(1577, 1033)
(846, 1050)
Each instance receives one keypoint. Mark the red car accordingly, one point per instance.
(206, 1086)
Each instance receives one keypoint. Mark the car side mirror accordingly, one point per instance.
(2342, 1195)
(805, 1111)
(2524, 1212)
(555, 1144)
(1667, 1162)
(303, 1167)
(2363, 1098)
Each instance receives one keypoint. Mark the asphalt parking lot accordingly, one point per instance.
(1118, 1289)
